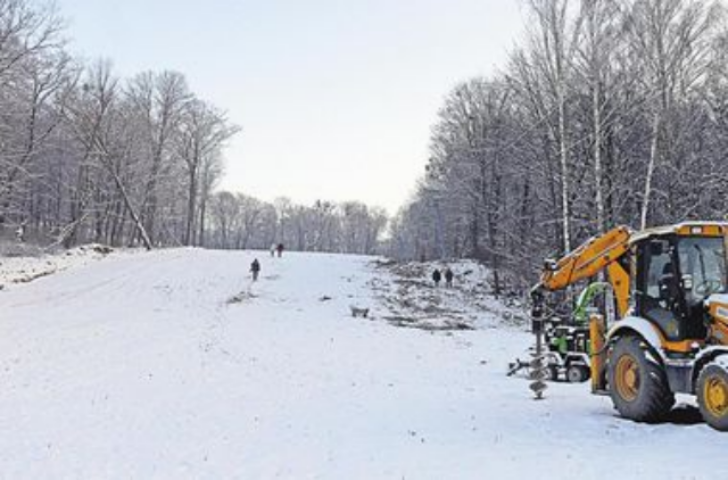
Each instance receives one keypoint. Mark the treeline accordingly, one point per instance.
(88, 156)
(610, 112)
(242, 222)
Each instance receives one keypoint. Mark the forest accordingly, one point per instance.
(88, 156)
(607, 113)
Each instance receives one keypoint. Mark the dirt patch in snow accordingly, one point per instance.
(413, 300)
(432, 324)
(241, 297)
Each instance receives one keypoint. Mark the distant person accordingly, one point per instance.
(448, 277)
(20, 233)
(255, 269)
(273, 249)
(279, 249)
(436, 277)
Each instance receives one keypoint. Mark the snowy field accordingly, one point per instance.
(172, 364)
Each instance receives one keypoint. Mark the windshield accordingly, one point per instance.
(704, 259)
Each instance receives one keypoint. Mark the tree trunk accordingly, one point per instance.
(191, 206)
(132, 212)
(564, 158)
(650, 171)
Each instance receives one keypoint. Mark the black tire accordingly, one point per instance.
(553, 370)
(713, 407)
(577, 373)
(638, 386)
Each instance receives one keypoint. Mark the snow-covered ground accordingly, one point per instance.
(172, 364)
(17, 268)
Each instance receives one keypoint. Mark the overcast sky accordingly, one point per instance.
(335, 97)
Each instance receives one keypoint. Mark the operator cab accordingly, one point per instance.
(674, 275)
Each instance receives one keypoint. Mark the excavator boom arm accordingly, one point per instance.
(595, 255)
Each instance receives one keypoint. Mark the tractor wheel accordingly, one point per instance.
(577, 373)
(712, 390)
(553, 371)
(638, 386)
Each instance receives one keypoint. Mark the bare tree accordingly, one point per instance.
(203, 131)
(158, 100)
(670, 38)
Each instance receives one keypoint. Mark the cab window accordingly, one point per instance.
(702, 266)
(659, 265)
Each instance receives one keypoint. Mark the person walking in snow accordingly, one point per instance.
(255, 269)
(279, 249)
(273, 249)
(448, 277)
(436, 277)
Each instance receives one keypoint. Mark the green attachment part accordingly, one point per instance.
(560, 344)
(581, 313)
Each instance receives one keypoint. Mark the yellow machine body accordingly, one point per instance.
(680, 320)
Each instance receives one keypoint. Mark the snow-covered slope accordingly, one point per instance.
(22, 269)
(172, 364)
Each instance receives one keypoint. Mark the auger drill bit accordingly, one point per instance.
(539, 367)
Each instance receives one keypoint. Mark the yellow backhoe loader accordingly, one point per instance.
(669, 333)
